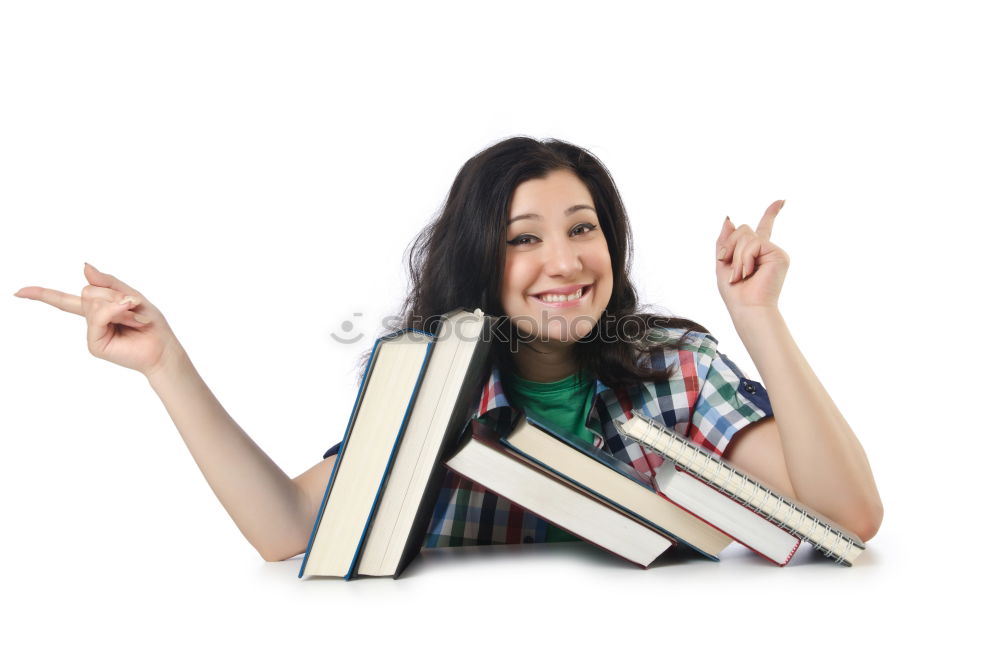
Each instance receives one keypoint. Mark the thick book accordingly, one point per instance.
(795, 518)
(617, 483)
(448, 397)
(381, 408)
(483, 458)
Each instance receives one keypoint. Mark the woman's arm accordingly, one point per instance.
(825, 463)
(823, 460)
(274, 513)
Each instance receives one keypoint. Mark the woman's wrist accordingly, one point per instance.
(174, 363)
(749, 316)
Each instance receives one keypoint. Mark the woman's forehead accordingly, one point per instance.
(559, 194)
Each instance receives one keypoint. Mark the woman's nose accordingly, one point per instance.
(563, 259)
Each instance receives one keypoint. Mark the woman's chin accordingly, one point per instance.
(559, 331)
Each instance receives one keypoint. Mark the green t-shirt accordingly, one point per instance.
(565, 403)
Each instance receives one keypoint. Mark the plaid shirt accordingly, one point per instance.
(707, 399)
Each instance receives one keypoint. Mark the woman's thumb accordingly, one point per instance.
(101, 279)
(727, 229)
(93, 276)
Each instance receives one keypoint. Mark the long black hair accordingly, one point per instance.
(457, 260)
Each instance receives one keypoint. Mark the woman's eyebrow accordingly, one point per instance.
(536, 217)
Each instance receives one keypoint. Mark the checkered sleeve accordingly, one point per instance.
(727, 402)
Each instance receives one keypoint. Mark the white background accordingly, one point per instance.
(257, 171)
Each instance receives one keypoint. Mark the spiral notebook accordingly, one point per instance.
(792, 516)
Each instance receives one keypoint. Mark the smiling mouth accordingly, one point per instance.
(563, 298)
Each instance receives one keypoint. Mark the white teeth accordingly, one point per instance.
(554, 298)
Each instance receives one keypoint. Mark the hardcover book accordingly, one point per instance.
(485, 459)
(617, 483)
(418, 392)
(381, 408)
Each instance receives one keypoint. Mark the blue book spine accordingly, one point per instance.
(388, 467)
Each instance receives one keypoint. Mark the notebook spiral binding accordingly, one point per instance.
(704, 465)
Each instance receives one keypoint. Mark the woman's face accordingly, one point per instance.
(555, 243)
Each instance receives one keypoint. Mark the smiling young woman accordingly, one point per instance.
(535, 234)
(557, 273)
(528, 218)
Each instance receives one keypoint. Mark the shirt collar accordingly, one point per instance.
(493, 403)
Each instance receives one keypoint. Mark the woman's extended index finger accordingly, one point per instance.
(767, 221)
(61, 300)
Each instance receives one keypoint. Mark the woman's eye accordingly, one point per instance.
(525, 239)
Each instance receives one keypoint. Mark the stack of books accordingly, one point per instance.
(414, 417)
(416, 395)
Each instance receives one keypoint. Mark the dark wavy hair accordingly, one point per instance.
(457, 261)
